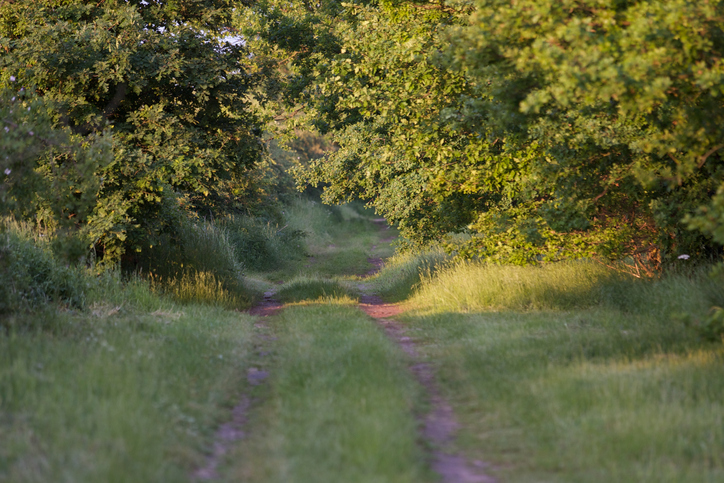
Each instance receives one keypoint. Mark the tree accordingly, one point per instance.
(368, 79)
(545, 130)
(65, 183)
(161, 78)
(625, 101)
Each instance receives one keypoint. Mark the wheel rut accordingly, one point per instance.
(439, 424)
(233, 430)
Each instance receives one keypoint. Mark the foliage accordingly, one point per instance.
(60, 189)
(159, 77)
(31, 275)
(396, 150)
(547, 130)
(624, 101)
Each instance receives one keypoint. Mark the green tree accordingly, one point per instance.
(160, 78)
(544, 129)
(624, 100)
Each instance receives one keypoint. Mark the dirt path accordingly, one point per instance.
(233, 430)
(439, 424)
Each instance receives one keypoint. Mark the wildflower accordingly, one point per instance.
(7, 129)
(7, 171)
(12, 78)
(683, 257)
(31, 133)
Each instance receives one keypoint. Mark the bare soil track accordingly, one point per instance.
(232, 431)
(439, 424)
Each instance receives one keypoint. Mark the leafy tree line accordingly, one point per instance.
(157, 95)
(543, 129)
(540, 130)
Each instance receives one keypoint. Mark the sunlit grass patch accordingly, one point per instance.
(203, 287)
(472, 286)
(613, 392)
(306, 287)
(401, 275)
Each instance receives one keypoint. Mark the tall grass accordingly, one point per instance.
(205, 288)
(576, 372)
(260, 245)
(473, 286)
(402, 273)
(321, 223)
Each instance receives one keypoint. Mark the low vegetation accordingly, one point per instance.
(554, 171)
(128, 389)
(574, 372)
(560, 372)
(339, 407)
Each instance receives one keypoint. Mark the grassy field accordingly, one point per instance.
(566, 372)
(123, 394)
(571, 372)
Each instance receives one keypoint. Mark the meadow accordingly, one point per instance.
(556, 372)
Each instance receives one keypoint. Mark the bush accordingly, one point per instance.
(260, 246)
(30, 276)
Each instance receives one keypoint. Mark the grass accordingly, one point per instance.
(572, 373)
(338, 241)
(338, 405)
(205, 288)
(560, 286)
(560, 372)
(403, 273)
(130, 390)
(306, 287)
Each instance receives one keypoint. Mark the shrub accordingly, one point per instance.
(31, 276)
(260, 246)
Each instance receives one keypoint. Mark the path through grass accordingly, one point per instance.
(573, 374)
(566, 372)
(339, 404)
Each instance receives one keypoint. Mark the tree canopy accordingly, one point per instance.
(161, 80)
(515, 131)
(540, 129)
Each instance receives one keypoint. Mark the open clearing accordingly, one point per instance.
(479, 374)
